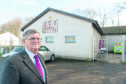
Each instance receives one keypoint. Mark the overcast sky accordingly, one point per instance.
(10, 9)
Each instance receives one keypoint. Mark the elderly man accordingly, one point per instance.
(26, 67)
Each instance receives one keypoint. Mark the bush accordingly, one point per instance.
(0, 54)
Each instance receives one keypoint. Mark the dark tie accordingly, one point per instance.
(38, 66)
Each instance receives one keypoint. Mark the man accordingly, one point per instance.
(26, 67)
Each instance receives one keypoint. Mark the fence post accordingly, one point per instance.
(93, 48)
(10, 45)
(107, 49)
(123, 49)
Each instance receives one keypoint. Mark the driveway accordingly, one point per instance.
(80, 72)
(64, 71)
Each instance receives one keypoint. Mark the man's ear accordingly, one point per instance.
(23, 41)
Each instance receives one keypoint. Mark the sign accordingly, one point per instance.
(50, 26)
(117, 48)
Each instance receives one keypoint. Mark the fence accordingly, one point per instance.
(111, 48)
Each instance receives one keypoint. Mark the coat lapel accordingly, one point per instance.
(28, 62)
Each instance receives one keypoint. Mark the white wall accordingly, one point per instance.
(8, 39)
(95, 41)
(70, 26)
(112, 39)
(67, 25)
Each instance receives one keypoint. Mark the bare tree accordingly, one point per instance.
(99, 15)
(27, 19)
(78, 12)
(121, 5)
(102, 15)
(89, 13)
(12, 26)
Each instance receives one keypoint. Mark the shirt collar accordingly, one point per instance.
(30, 54)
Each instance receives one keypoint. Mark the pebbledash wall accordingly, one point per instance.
(68, 35)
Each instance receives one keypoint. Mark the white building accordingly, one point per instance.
(114, 34)
(8, 38)
(68, 35)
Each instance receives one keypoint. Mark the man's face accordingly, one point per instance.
(32, 43)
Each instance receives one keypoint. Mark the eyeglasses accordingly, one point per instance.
(33, 39)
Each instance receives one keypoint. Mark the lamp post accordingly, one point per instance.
(118, 16)
(10, 44)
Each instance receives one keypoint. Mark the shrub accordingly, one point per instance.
(0, 54)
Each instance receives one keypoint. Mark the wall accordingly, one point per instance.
(8, 39)
(113, 39)
(67, 25)
(95, 41)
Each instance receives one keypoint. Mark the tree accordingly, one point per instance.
(90, 13)
(120, 8)
(27, 19)
(102, 15)
(99, 15)
(14, 25)
(121, 5)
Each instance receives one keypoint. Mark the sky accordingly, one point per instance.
(11, 9)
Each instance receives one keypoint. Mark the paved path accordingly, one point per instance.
(110, 57)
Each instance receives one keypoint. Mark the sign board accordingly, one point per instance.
(118, 48)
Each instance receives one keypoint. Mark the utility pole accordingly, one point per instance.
(118, 16)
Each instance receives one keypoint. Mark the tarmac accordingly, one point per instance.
(80, 72)
(64, 71)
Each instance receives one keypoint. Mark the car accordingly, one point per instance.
(47, 54)
(15, 50)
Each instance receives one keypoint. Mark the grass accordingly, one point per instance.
(0, 54)
(123, 63)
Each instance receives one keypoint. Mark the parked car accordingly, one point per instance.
(47, 54)
(15, 50)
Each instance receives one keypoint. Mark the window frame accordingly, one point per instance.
(70, 40)
(49, 39)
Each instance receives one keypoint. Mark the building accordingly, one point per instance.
(67, 34)
(8, 39)
(113, 35)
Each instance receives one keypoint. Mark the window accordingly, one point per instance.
(70, 39)
(49, 39)
(43, 48)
